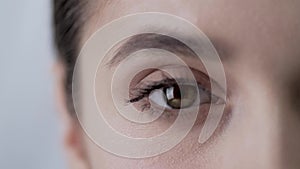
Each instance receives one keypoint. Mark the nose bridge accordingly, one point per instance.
(265, 108)
(270, 93)
(257, 116)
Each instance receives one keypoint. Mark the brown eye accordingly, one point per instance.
(178, 97)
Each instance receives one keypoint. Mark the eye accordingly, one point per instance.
(175, 97)
(181, 96)
(157, 91)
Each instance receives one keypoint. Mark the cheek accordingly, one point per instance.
(188, 154)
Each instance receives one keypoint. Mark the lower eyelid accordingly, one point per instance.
(171, 115)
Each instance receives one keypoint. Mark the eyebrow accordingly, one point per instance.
(150, 40)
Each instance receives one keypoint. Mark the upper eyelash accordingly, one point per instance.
(148, 88)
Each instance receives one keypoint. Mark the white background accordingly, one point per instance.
(29, 126)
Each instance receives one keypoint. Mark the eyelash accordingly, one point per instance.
(146, 88)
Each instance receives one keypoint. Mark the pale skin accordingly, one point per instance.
(259, 40)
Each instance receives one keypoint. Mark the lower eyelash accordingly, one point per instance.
(145, 107)
(167, 115)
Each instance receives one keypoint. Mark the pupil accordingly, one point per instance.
(173, 96)
(174, 92)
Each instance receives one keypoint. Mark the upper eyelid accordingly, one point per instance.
(152, 40)
(199, 77)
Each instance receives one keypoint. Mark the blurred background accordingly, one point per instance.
(30, 133)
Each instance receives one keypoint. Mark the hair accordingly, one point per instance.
(67, 21)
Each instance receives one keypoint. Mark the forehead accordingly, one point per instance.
(260, 28)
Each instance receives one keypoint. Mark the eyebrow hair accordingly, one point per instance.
(150, 40)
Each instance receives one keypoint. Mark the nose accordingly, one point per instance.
(266, 116)
(255, 129)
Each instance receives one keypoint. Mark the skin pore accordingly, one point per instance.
(258, 40)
